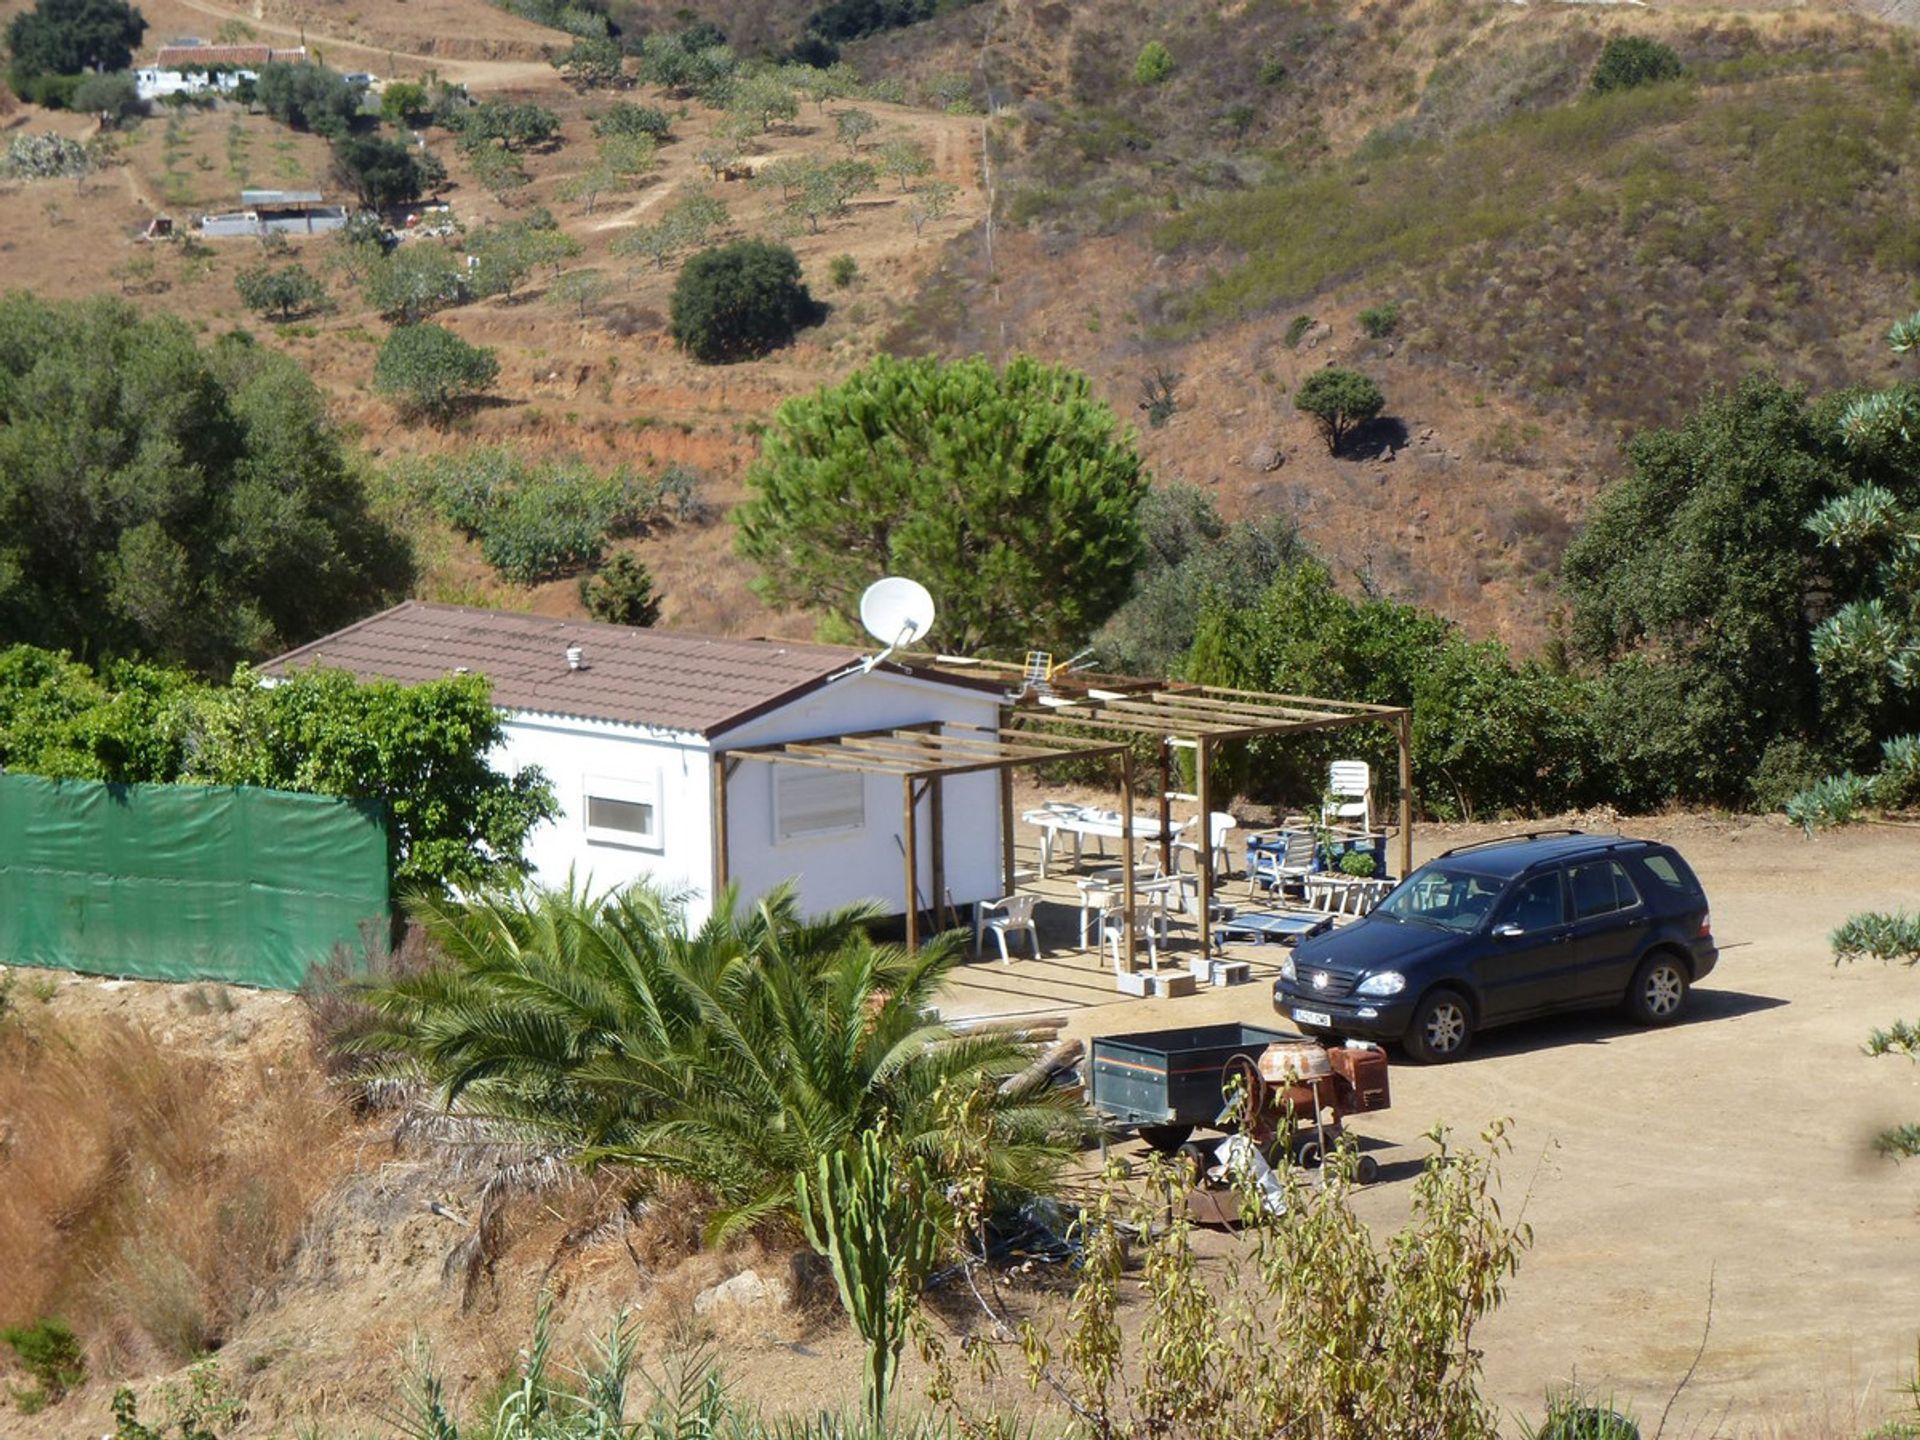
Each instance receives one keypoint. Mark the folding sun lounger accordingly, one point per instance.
(1260, 926)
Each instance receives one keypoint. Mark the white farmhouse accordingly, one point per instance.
(636, 727)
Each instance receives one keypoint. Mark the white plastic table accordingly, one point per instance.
(1081, 821)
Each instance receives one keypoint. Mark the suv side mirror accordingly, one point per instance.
(1509, 931)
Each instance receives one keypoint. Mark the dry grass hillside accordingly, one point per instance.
(607, 386)
(1567, 269)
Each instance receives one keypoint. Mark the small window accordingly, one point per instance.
(1671, 873)
(817, 802)
(621, 812)
(1539, 903)
(1601, 888)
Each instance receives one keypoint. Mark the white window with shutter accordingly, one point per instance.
(808, 802)
(624, 811)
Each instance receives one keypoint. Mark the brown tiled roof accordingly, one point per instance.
(664, 678)
(196, 57)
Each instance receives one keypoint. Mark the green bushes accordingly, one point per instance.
(308, 97)
(198, 509)
(621, 592)
(66, 40)
(1490, 735)
(432, 372)
(420, 750)
(49, 1352)
(1153, 65)
(739, 301)
(624, 118)
(1630, 60)
(538, 522)
(1380, 321)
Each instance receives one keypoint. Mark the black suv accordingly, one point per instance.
(1506, 930)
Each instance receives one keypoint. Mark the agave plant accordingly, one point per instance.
(734, 1055)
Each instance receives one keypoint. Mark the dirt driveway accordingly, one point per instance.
(1732, 1149)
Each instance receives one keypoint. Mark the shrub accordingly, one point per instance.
(623, 117)
(1318, 1327)
(384, 174)
(842, 270)
(432, 371)
(509, 124)
(114, 97)
(739, 301)
(621, 592)
(539, 522)
(1340, 401)
(1380, 321)
(49, 1352)
(403, 102)
(45, 156)
(1297, 329)
(1153, 64)
(308, 97)
(408, 284)
(289, 291)
(1628, 61)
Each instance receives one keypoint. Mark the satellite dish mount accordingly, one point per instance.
(896, 611)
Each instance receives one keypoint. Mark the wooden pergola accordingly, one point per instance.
(1182, 715)
(922, 756)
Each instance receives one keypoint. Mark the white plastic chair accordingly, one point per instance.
(1010, 915)
(1349, 794)
(1219, 826)
(1149, 922)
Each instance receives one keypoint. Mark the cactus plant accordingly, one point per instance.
(868, 1214)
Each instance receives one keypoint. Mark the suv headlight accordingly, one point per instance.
(1387, 982)
(1287, 970)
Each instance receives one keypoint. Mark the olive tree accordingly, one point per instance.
(1011, 494)
(1340, 402)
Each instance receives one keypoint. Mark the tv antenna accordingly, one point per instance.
(896, 611)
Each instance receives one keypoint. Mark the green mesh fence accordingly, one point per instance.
(184, 882)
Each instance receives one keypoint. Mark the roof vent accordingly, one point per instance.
(576, 658)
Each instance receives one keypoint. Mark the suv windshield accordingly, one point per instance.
(1443, 896)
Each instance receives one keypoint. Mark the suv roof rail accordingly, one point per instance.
(1509, 839)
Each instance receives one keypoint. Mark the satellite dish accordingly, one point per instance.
(896, 611)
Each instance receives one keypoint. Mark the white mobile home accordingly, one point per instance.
(634, 728)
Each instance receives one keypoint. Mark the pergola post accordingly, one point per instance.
(1203, 787)
(1006, 831)
(937, 822)
(721, 767)
(1166, 805)
(1126, 855)
(1403, 731)
(910, 843)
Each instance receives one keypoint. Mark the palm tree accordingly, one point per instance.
(734, 1055)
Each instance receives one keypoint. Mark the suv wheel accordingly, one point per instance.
(1658, 994)
(1441, 1028)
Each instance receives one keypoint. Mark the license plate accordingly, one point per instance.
(1314, 1017)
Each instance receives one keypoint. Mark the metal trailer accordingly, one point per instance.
(1167, 1083)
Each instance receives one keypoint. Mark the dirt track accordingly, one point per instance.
(1732, 1149)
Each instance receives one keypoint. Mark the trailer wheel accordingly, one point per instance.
(1367, 1170)
(1307, 1154)
(1166, 1138)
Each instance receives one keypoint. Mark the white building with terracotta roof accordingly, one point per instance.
(635, 727)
